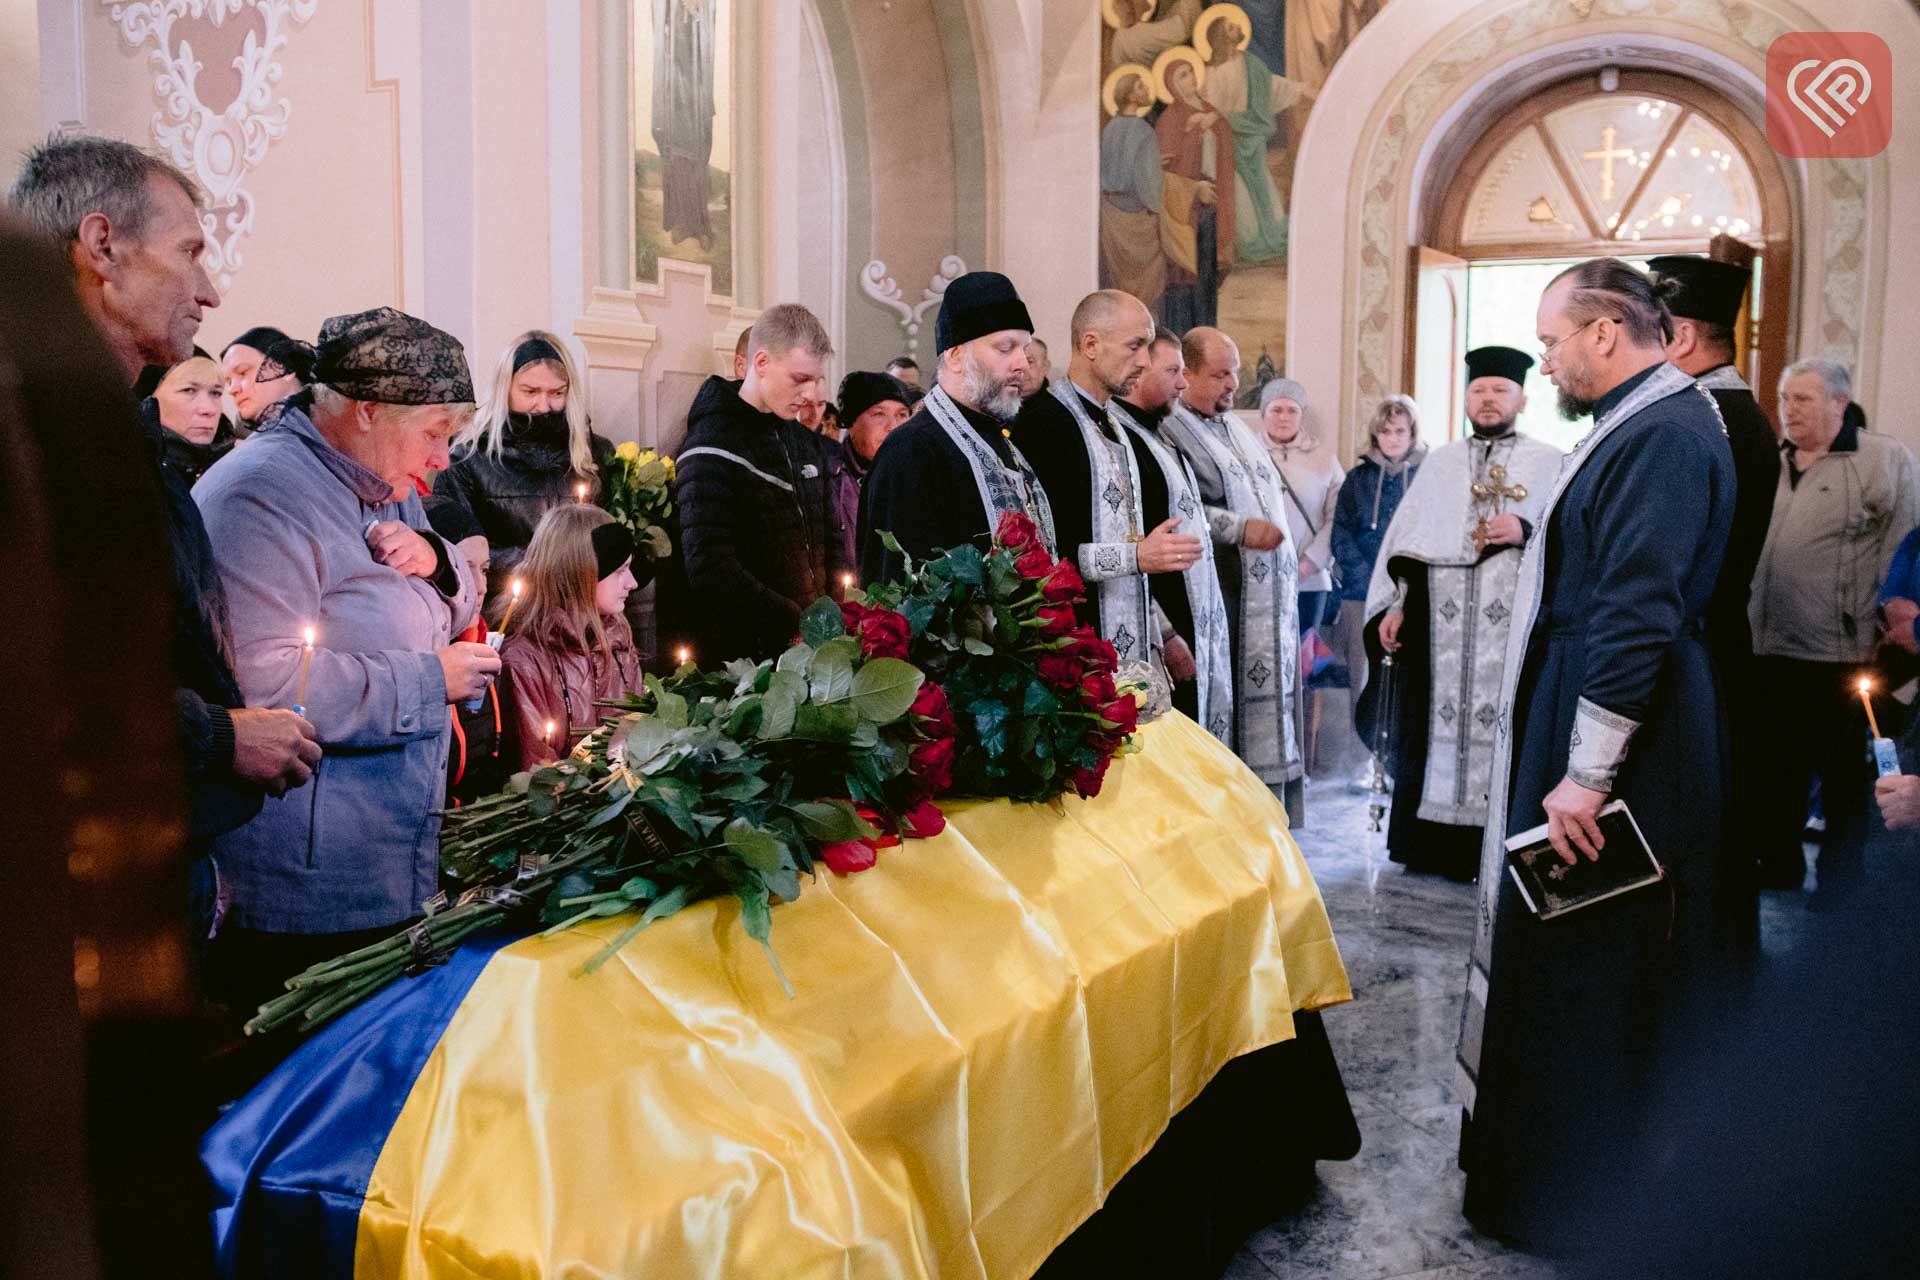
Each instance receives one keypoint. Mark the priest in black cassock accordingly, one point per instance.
(1610, 694)
(947, 474)
(1107, 489)
(1704, 297)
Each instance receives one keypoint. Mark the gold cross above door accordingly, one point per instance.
(1606, 156)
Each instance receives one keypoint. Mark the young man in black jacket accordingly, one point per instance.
(755, 500)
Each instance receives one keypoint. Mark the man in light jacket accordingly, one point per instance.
(1843, 502)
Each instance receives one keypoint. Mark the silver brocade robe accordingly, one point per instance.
(1469, 602)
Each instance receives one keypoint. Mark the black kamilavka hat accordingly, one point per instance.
(1700, 288)
(1498, 362)
(977, 304)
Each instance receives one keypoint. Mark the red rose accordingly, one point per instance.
(1059, 671)
(849, 856)
(850, 615)
(931, 712)
(1096, 686)
(1056, 619)
(1084, 645)
(923, 821)
(880, 822)
(1064, 584)
(1086, 782)
(932, 763)
(1015, 531)
(1034, 563)
(883, 633)
(1123, 713)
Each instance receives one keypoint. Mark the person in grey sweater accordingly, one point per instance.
(1844, 500)
(318, 524)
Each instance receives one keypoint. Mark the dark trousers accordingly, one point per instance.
(1816, 728)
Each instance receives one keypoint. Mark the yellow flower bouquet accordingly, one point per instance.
(638, 491)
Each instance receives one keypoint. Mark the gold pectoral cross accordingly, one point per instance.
(1495, 492)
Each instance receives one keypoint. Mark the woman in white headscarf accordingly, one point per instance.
(1310, 478)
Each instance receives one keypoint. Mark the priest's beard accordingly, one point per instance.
(998, 398)
(1578, 395)
(1492, 431)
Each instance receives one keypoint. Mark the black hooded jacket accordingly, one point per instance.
(508, 494)
(756, 508)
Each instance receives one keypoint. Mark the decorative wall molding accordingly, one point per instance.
(218, 148)
(885, 290)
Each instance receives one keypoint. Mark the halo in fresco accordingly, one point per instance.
(1163, 66)
(1113, 18)
(1212, 16)
(1110, 91)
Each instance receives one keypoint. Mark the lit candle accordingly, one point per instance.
(306, 665)
(846, 582)
(1866, 685)
(549, 735)
(683, 655)
(580, 492)
(514, 592)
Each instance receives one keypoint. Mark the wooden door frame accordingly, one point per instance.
(1771, 345)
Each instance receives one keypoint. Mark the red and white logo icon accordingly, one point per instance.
(1829, 94)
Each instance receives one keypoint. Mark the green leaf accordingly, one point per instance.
(745, 718)
(745, 787)
(1039, 700)
(670, 709)
(758, 848)
(822, 622)
(758, 922)
(892, 543)
(834, 722)
(832, 821)
(646, 738)
(979, 648)
(798, 659)
(884, 688)
(609, 812)
(785, 882)
(963, 563)
(831, 679)
(990, 723)
(783, 697)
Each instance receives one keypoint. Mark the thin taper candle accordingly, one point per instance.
(514, 593)
(306, 665)
(1873, 724)
(683, 655)
(580, 492)
(549, 735)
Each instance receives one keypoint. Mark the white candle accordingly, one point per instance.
(683, 655)
(306, 664)
(514, 590)
(580, 492)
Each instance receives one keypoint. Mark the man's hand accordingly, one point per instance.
(1573, 820)
(469, 669)
(1261, 535)
(1205, 193)
(402, 549)
(1309, 567)
(1164, 551)
(274, 750)
(1898, 796)
(1504, 531)
(1900, 615)
(1390, 630)
(1179, 658)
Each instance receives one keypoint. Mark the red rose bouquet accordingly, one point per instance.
(1028, 695)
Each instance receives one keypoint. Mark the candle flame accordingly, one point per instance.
(309, 636)
(1865, 684)
(516, 588)
(846, 581)
(683, 654)
(549, 729)
(580, 493)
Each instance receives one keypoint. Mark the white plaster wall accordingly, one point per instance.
(20, 115)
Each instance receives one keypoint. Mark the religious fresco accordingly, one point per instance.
(1202, 109)
(683, 137)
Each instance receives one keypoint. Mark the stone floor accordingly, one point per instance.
(1393, 1213)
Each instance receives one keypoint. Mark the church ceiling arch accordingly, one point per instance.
(1474, 57)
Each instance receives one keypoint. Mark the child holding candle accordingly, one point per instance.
(570, 646)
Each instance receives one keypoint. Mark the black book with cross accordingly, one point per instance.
(1551, 887)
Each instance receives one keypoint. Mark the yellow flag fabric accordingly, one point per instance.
(987, 1031)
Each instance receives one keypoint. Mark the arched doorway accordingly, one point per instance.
(1628, 163)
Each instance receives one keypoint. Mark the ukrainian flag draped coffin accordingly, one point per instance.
(987, 1031)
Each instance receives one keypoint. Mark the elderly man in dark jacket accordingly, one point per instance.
(130, 225)
(756, 501)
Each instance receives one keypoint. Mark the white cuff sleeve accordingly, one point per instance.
(1100, 561)
(1598, 746)
(1228, 528)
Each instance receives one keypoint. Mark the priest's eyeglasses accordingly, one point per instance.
(1547, 352)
